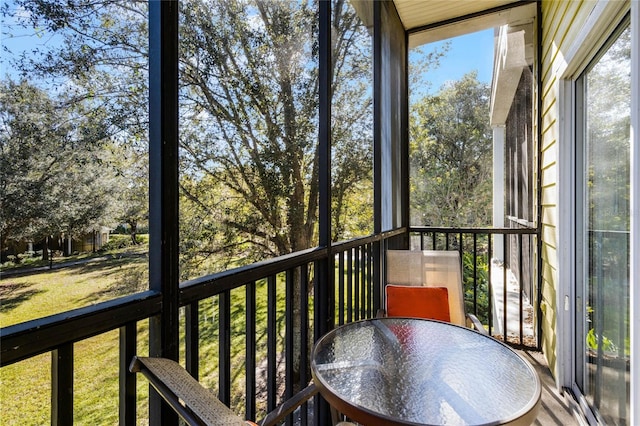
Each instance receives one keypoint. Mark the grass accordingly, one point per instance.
(25, 387)
(38, 295)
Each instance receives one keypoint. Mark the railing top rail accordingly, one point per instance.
(41, 335)
(487, 230)
(31, 338)
(210, 285)
(346, 245)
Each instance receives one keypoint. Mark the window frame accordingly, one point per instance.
(593, 36)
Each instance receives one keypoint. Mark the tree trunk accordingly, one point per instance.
(134, 232)
(45, 249)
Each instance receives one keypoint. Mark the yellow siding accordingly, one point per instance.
(561, 23)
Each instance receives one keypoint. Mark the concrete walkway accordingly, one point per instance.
(60, 265)
(513, 305)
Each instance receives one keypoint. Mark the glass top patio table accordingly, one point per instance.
(402, 371)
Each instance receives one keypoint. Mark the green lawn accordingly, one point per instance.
(25, 386)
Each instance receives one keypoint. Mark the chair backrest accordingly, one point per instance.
(430, 268)
(418, 301)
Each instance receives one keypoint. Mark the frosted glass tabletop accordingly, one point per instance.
(411, 371)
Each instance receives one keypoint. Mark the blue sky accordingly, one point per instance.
(467, 53)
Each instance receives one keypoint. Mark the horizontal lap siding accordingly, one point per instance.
(561, 23)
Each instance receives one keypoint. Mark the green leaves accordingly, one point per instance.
(51, 181)
(451, 156)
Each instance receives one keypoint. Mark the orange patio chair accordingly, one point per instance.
(427, 284)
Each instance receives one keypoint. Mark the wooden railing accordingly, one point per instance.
(249, 325)
(490, 258)
(266, 324)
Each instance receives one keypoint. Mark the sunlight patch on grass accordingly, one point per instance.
(47, 293)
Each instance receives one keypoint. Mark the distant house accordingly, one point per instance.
(90, 241)
(85, 242)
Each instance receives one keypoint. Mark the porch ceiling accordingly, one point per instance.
(418, 13)
(419, 16)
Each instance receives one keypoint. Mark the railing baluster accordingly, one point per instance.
(341, 288)
(127, 381)
(250, 350)
(363, 281)
(271, 343)
(356, 284)
(350, 285)
(62, 385)
(289, 336)
(505, 251)
(521, 290)
(192, 339)
(224, 347)
(475, 273)
(490, 284)
(370, 260)
(304, 336)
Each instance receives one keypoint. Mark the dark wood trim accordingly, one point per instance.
(163, 174)
(32, 338)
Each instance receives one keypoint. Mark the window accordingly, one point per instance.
(603, 98)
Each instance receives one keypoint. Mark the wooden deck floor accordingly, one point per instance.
(556, 409)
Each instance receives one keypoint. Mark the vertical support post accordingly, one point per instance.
(163, 173)
(378, 277)
(498, 185)
(163, 188)
(324, 276)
